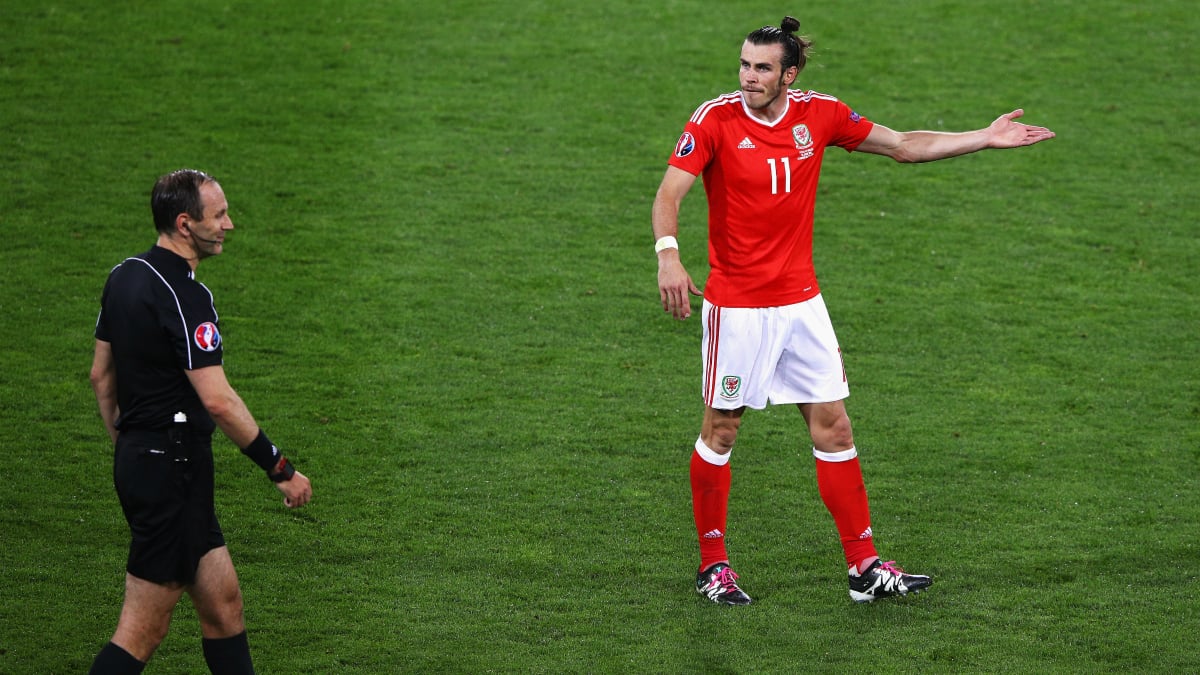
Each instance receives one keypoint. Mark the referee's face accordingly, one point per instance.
(208, 234)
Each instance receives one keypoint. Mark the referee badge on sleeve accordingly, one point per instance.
(207, 337)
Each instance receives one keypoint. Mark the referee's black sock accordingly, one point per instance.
(112, 660)
(228, 655)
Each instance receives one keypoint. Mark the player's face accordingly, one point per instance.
(208, 234)
(762, 77)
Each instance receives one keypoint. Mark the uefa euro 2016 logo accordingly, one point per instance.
(207, 337)
(685, 146)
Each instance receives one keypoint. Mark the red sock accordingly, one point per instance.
(710, 503)
(840, 482)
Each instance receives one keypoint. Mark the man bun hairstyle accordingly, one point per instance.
(795, 47)
(175, 193)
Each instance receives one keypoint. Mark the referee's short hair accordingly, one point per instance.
(175, 193)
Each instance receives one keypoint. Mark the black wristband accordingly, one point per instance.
(283, 471)
(263, 452)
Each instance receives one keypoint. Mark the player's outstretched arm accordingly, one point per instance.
(928, 146)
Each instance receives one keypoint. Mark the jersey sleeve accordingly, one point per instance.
(849, 128)
(194, 331)
(205, 345)
(694, 150)
(102, 331)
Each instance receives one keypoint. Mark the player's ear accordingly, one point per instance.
(790, 75)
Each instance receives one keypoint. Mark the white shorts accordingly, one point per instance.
(755, 356)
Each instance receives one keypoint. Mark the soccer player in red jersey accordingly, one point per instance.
(767, 335)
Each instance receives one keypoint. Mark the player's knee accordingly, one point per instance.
(722, 437)
(834, 434)
(720, 429)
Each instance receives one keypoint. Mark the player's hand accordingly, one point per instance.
(674, 285)
(1006, 132)
(297, 491)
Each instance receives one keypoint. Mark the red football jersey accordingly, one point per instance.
(761, 182)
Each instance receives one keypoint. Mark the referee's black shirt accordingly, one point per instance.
(160, 322)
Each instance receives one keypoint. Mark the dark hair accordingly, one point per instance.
(795, 47)
(175, 193)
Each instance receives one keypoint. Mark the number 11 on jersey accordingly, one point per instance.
(787, 175)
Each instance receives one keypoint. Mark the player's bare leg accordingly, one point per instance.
(720, 428)
(711, 479)
(839, 479)
(840, 482)
(829, 425)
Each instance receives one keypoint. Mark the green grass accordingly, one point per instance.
(440, 299)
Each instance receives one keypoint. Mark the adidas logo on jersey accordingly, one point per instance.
(746, 144)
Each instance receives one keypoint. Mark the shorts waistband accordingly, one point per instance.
(178, 441)
(179, 421)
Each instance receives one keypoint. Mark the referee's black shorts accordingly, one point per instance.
(164, 480)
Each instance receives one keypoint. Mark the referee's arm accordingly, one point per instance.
(223, 403)
(235, 421)
(104, 383)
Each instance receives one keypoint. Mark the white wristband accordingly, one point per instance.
(665, 243)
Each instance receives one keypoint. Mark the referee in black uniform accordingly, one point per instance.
(162, 390)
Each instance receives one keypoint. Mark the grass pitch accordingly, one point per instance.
(440, 299)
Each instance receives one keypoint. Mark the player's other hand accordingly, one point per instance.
(297, 491)
(674, 285)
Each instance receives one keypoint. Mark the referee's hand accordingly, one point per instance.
(297, 491)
